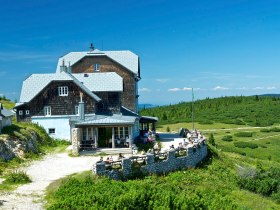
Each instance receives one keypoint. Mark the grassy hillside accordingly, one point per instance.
(217, 184)
(7, 103)
(242, 170)
(240, 110)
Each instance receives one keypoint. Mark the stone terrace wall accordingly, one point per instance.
(172, 163)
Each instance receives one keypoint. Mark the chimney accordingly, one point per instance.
(81, 107)
(63, 67)
(91, 48)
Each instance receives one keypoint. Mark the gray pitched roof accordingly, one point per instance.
(108, 120)
(34, 84)
(96, 82)
(5, 112)
(125, 57)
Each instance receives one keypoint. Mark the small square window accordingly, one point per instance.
(96, 67)
(51, 130)
(27, 112)
(20, 112)
(63, 91)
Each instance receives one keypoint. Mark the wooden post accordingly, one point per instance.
(113, 137)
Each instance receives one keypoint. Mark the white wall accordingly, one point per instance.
(60, 124)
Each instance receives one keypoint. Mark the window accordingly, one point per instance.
(88, 134)
(96, 67)
(47, 111)
(63, 91)
(76, 110)
(20, 112)
(51, 130)
(27, 112)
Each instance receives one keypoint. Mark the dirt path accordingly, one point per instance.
(42, 173)
(266, 137)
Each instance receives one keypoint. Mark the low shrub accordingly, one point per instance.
(17, 177)
(275, 129)
(265, 130)
(227, 138)
(264, 182)
(244, 134)
(206, 122)
(242, 144)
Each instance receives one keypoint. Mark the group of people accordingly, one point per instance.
(190, 137)
(110, 159)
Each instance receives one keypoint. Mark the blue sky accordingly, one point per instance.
(217, 47)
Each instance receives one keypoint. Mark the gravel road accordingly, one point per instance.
(42, 173)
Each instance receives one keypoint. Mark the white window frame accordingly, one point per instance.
(88, 134)
(50, 130)
(47, 111)
(63, 91)
(96, 67)
(27, 112)
(20, 112)
(76, 110)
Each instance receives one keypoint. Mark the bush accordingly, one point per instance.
(206, 122)
(17, 177)
(242, 144)
(265, 130)
(227, 138)
(212, 139)
(275, 129)
(263, 182)
(167, 129)
(244, 134)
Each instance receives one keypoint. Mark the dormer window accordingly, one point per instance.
(63, 91)
(96, 67)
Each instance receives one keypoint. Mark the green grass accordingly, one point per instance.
(7, 103)
(13, 180)
(211, 186)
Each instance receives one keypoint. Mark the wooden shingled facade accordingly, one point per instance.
(128, 96)
(60, 105)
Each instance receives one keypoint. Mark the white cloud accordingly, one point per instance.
(220, 88)
(174, 89)
(258, 88)
(162, 80)
(183, 89)
(145, 90)
(271, 88)
(187, 88)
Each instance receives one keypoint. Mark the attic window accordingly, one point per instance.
(20, 112)
(63, 91)
(96, 67)
(27, 112)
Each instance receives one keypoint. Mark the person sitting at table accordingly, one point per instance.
(111, 159)
(120, 156)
